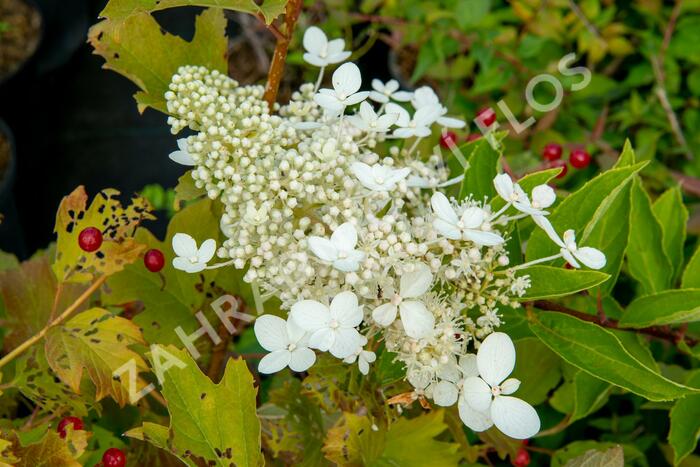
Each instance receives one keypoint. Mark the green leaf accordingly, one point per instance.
(627, 156)
(673, 217)
(645, 252)
(599, 352)
(482, 167)
(685, 423)
(211, 424)
(122, 9)
(549, 281)
(539, 366)
(668, 307)
(613, 457)
(578, 209)
(691, 274)
(608, 231)
(95, 342)
(139, 49)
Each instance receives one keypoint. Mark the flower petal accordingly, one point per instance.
(416, 282)
(322, 339)
(345, 237)
(315, 40)
(477, 393)
(345, 310)
(347, 341)
(477, 421)
(504, 186)
(548, 228)
(335, 46)
(310, 315)
(356, 98)
(329, 102)
(402, 96)
(447, 230)
(403, 118)
(543, 196)
(347, 79)
(483, 238)
(351, 262)
(184, 264)
(385, 314)
(207, 250)
(473, 217)
(450, 122)
(445, 394)
(570, 258)
(515, 417)
(314, 60)
(302, 359)
(416, 319)
(184, 245)
(591, 257)
(443, 209)
(271, 332)
(496, 358)
(323, 248)
(510, 385)
(274, 362)
(468, 365)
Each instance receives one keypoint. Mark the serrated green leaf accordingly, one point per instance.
(578, 209)
(667, 307)
(549, 281)
(120, 10)
(211, 424)
(139, 49)
(673, 217)
(646, 259)
(685, 423)
(599, 352)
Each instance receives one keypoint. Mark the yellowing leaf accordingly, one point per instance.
(28, 293)
(50, 451)
(613, 457)
(117, 225)
(97, 342)
(141, 50)
(210, 424)
(122, 9)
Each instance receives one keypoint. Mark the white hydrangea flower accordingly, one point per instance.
(446, 392)
(572, 253)
(368, 120)
(286, 342)
(256, 216)
(332, 328)
(340, 249)
(347, 80)
(182, 156)
(424, 96)
(329, 150)
(486, 399)
(190, 258)
(467, 227)
(378, 177)
(363, 357)
(417, 320)
(416, 181)
(418, 126)
(384, 92)
(543, 196)
(321, 52)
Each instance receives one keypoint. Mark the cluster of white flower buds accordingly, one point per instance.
(361, 247)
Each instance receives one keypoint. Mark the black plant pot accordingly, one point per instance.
(11, 238)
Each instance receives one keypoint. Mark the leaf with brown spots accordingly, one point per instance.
(210, 424)
(139, 49)
(117, 225)
(96, 342)
(49, 451)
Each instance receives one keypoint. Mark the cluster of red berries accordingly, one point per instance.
(90, 240)
(112, 457)
(578, 158)
(486, 116)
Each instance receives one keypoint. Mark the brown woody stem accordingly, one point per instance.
(279, 57)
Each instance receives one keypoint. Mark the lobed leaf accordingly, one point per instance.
(123, 9)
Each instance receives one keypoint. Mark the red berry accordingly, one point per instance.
(90, 239)
(558, 163)
(487, 116)
(522, 458)
(473, 137)
(114, 457)
(552, 152)
(448, 139)
(63, 424)
(154, 260)
(579, 158)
